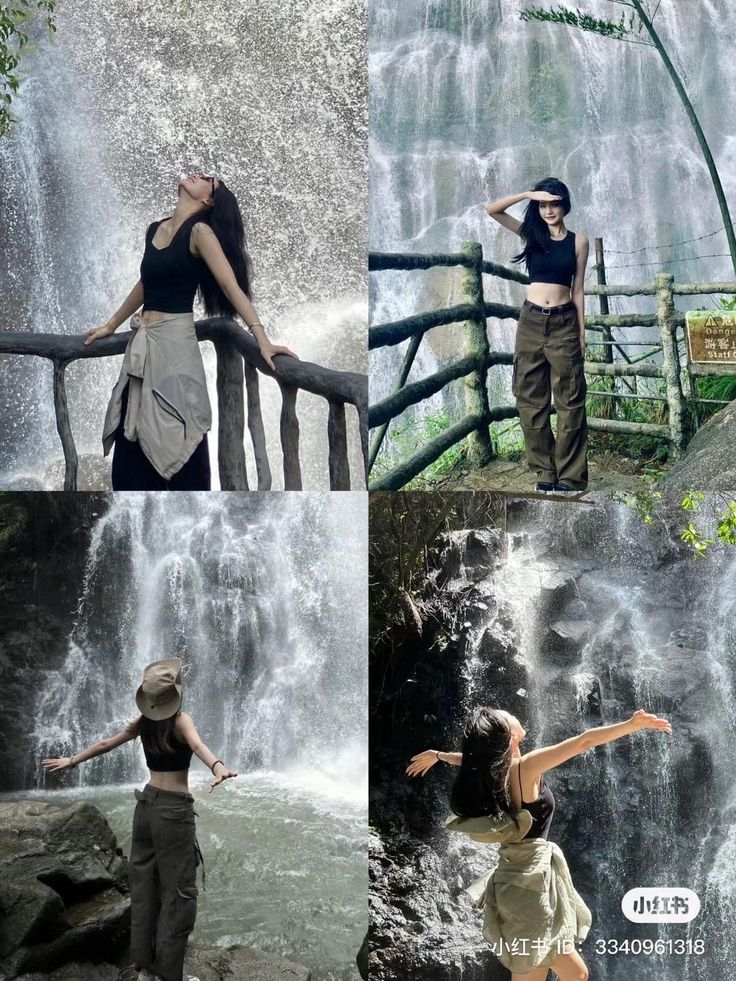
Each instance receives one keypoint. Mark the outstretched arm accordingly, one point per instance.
(99, 748)
(132, 303)
(548, 757)
(423, 762)
(188, 732)
(209, 248)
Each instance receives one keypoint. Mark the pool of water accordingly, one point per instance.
(286, 864)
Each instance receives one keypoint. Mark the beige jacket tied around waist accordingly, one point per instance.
(168, 406)
(531, 910)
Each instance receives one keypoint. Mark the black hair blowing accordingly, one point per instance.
(159, 736)
(534, 231)
(226, 221)
(481, 786)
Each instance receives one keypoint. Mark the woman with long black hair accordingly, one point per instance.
(550, 338)
(159, 413)
(164, 852)
(533, 916)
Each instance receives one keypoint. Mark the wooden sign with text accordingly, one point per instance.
(711, 336)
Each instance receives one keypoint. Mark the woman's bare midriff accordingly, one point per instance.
(548, 294)
(150, 317)
(176, 781)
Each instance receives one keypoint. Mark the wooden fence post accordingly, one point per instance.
(600, 269)
(480, 448)
(230, 418)
(406, 366)
(670, 359)
(64, 427)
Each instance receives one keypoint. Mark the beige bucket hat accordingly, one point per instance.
(159, 697)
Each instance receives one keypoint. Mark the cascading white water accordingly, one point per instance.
(249, 597)
(469, 103)
(642, 625)
(270, 98)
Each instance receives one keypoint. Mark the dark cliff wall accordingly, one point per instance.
(43, 547)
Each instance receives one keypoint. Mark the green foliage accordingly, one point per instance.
(409, 436)
(508, 440)
(626, 28)
(13, 521)
(406, 541)
(15, 20)
(628, 410)
(649, 507)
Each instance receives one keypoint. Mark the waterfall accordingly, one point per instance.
(270, 98)
(469, 103)
(588, 616)
(264, 602)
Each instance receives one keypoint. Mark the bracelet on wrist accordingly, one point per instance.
(437, 754)
(215, 764)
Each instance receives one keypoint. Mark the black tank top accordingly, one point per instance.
(170, 276)
(541, 810)
(180, 759)
(556, 266)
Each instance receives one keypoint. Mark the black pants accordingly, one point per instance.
(163, 891)
(132, 470)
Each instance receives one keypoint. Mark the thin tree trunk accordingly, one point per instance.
(730, 235)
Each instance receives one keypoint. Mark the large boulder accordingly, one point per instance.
(63, 887)
(709, 462)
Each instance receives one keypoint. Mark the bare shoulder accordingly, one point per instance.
(581, 241)
(202, 235)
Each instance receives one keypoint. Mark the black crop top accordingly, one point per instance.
(170, 276)
(180, 759)
(556, 266)
(542, 809)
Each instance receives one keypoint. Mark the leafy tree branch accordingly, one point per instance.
(16, 18)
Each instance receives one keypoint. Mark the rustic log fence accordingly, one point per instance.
(239, 362)
(474, 365)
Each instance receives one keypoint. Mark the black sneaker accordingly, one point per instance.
(562, 488)
(544, 487)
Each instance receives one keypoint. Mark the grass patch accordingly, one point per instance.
(409, 437)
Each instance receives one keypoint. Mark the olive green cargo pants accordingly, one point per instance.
(163, 891)
(548, 360)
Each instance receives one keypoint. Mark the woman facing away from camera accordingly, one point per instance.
(550, 337)
(533, 915)
(159, 413)
(164, 851)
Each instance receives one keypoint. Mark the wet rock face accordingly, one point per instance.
(422, 924)
(63, 887)
(77, 972)
(41, 563)
(619, 619)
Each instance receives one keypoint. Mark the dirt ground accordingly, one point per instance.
(607, 472)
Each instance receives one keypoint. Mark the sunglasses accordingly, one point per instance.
(203, 177)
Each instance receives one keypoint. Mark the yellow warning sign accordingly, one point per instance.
(711, 336)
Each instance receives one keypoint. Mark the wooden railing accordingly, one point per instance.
(474, 366)
(238, 361)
